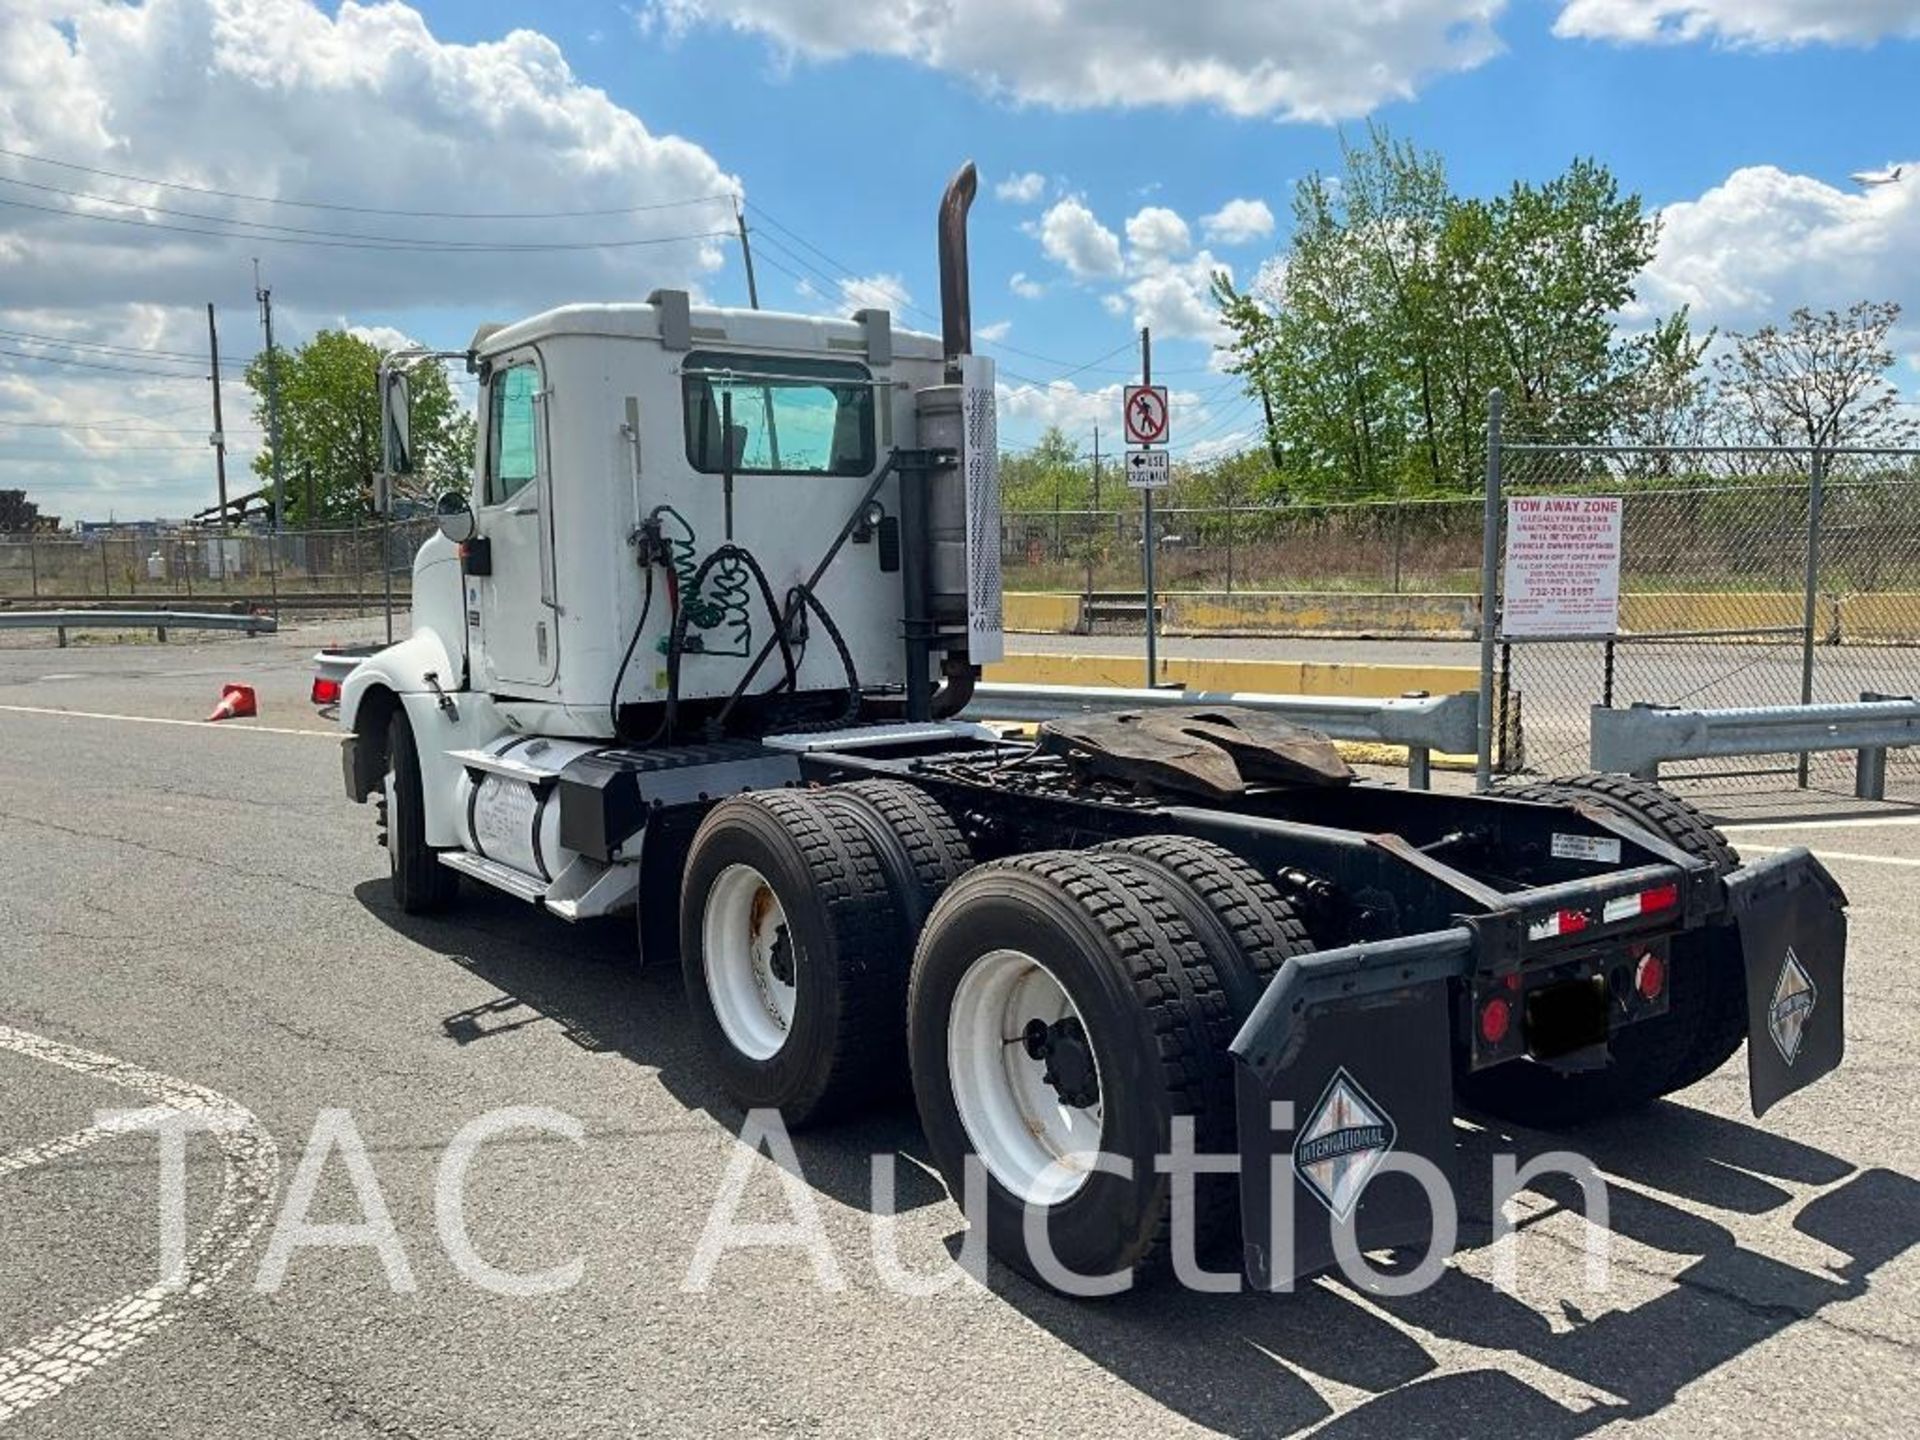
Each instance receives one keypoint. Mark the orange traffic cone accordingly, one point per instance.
(236, 703)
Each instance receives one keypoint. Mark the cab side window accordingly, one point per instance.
(510, 431)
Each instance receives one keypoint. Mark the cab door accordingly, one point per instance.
(519, 639)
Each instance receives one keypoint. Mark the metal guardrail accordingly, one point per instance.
(1637, 740)
(161, 621)
(1422, 723)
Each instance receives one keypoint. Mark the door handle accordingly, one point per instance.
(524, 510)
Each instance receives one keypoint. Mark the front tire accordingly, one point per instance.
(421, 884)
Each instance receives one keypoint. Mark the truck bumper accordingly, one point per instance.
(1344, 1070)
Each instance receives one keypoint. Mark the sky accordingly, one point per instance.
(415, 170)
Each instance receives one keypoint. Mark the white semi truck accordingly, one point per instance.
(698, 645)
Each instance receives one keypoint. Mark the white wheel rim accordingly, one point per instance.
(743, 933)
(389, 789)
(1031, 1140)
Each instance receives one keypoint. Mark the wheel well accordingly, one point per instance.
(370, 723)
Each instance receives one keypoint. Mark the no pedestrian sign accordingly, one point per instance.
(1149, 469)
(1563, 566)
(1146, 414)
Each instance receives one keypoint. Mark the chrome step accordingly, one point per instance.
(492, 872)
(509, 765)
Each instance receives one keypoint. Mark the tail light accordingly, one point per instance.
(1650, 976)
(325, 691)
(1496, 1019)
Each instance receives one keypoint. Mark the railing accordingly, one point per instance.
(61, 621)
(1422, 723)
(1637, 740)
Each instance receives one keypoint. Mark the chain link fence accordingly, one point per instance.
(351, 565)
(1749, 577)
(1404, 547)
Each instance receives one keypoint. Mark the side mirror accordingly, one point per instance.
(454, 514)
(396, 424)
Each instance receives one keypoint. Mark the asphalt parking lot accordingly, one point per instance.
(193, 916)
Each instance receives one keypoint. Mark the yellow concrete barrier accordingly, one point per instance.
(1892, 617)
(1037, 612)
(1325, 613)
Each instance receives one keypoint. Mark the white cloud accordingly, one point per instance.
(875, 292)
(1739, 22)
(1764, 241)
(1303, 60)
(1022, 189)
(1238, 222)
(1071, 234)
(1025, 287)
(1035, 407)
(1157, 233)
(360, 107)
(1175, 298)
(998, 330)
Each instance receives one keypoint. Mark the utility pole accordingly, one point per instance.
(1093, 522)
(219, 430)
(265, 299)
(746, 252)
(1146, 525)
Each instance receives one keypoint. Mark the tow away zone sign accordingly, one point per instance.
(1563, 566)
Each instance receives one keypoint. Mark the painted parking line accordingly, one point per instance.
(1909, 861)
(41, 1368)
(226, 725)
(1879, 822)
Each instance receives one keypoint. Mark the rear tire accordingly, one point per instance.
(1248, 928)
(1706, 1018)
(421, 884)
(1040, 941)
(789, 946)
(921, 849)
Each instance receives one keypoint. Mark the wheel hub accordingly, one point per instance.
(1067, 1055)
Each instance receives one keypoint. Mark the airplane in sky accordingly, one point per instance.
(1871, 178)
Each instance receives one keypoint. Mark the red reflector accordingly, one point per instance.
(1650, 977)
(1661, 897)
(325, 691)
(1572, 921)
(1496, 1016)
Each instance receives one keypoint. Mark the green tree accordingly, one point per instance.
(1400, 305)
(1048, 475)
(330, 428)
(1822, 380)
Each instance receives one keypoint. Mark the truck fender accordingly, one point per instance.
(401, 668)
(374, 689)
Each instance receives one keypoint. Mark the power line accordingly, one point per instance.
(847, 272)
(367, 209)
(33, 455)
(121, 429)
(256, 224)
(97, 365)
(133, 350)
(371, 243)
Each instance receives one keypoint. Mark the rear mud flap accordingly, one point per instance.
(1343, 1086)
(1793, 939)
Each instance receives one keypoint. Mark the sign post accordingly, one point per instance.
(1148, 470)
